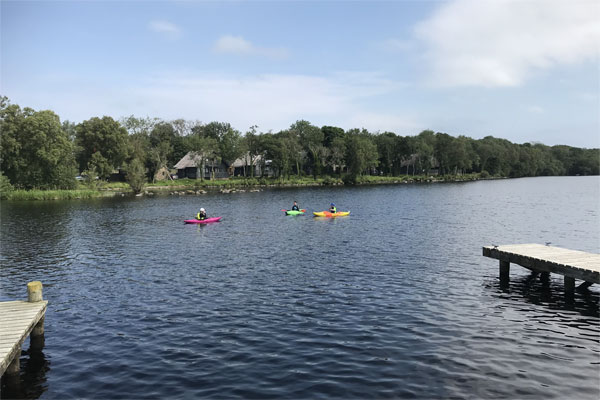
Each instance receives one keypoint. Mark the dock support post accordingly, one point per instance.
(569, 287)
(14, 368)
(504, 271)
(584, 285)
(36, 338)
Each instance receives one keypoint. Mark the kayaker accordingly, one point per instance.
(201, 215)
(332, 209)
(295, 206)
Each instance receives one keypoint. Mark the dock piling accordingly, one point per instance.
(34, 291)
(540, 259)
(34, 294)
(504, 271)
(19, 319)
(569, 286)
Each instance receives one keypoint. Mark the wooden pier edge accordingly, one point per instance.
(18, 320)
(571, 264)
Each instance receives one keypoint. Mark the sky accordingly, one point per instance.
(524, 70)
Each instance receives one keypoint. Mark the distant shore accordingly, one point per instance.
(198, 187)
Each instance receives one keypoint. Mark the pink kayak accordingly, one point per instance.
(202, 221)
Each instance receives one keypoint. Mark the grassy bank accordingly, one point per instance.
(52, 194)
(113, 188)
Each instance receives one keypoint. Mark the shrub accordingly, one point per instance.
(349, 179)
(136, 175)
(5, 187)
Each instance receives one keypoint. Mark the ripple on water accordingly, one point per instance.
(376, 305)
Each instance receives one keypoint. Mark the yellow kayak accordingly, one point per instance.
(331, 215)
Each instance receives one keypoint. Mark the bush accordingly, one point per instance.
(329, 181)
(136, 175)
(23, 195)
(5, 187)
(349, 179)
(484, 174)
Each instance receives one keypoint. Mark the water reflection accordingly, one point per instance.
(31, 383)
(543, 290)
(386, 302)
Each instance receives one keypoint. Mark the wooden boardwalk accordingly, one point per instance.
(572, 264)
(19, 319)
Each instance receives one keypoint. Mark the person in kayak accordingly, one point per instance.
(295, 206)
(332, 209)
(201, 215)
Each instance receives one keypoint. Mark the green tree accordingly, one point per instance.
(158, 157)
(361, 154)
(459, 155)
(231, 146)
(281, 150)
(106, 137)
(135, 175)
(386, 149)
(403, 151)
(254, 146)
(424, 147)
(161, 138)
(36, 151)
(5, 186)
(337, 154)
(11, 121)
(585, 161)
(183, 128)
(99, 165)
(330, 133)
(442, 144)
(139, 146)
(48, 153)
(215, 130)
(137, 126)
(203, 149)
(311, 139)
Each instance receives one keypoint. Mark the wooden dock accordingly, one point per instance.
(19, 319)
(572, 264)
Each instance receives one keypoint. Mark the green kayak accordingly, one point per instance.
(294, 212)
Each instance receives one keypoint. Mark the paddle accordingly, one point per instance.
(303, 210)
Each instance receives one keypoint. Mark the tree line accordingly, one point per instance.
(39, 151)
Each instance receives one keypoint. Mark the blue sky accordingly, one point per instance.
(527, 71)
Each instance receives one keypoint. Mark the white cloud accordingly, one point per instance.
(396, 45)
(535, 109)
(166, 28)
(271, 101)
(240, 46)
(503, 42)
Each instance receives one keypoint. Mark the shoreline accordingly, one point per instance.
(191, 187)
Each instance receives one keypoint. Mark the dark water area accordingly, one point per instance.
(393, 301)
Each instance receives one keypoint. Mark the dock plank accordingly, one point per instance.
(570, 263)
(17, 320)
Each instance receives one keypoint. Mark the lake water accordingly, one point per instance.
(393, 301)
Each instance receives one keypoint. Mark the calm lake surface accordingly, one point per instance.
(394, 301)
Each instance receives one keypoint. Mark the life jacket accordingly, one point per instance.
(333, 210)
(295, 208)
(200, 217)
